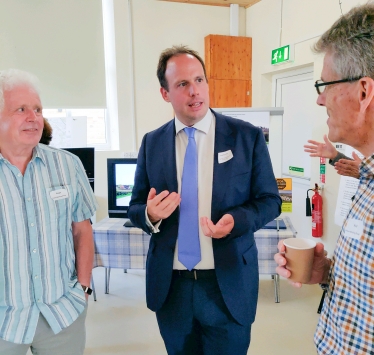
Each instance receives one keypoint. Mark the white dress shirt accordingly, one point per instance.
(204, 137)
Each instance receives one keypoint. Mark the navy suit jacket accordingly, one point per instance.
(243, 186)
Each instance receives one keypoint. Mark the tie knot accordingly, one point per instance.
(190, 131)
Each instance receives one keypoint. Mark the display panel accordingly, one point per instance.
(121, 175)
(87, 157)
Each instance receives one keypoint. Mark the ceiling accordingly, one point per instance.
(243, 3)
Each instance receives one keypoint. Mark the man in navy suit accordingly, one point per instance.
(210, 308)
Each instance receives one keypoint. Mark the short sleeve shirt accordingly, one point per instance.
(37, 259)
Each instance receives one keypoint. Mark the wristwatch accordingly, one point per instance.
(87, 290)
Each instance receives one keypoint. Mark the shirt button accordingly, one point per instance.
(34, 250)
(32, 224)
(36, 276)
(29, 199)
(19, 175)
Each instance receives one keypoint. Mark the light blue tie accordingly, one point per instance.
(188, 233)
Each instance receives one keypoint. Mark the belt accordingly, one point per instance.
(195, 274)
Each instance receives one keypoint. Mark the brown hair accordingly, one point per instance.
(47, 133)
(174, 52)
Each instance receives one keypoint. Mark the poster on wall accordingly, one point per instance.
(258, 119)
(285, 192)
(347, 189)
(68, 132)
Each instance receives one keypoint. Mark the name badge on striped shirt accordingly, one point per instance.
(354, 229)
(59, 194)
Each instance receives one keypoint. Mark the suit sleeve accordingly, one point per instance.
(140, 191)
(265, 203)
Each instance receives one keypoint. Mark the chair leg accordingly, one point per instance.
(107, 279)
(93, 288)
(275, 277)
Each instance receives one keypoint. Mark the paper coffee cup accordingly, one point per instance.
(299, 254)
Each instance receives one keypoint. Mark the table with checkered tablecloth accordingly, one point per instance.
(121, 247)
(267, 245)
(117, 246)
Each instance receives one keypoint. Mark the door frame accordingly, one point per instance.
(286, 74)
(285, 77)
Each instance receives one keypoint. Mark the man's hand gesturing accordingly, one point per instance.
(161, 206)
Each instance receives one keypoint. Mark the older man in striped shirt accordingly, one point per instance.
(46, 244)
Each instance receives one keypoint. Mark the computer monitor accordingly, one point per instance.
(87, 157)
(121, 175)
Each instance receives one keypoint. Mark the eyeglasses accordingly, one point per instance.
(320, 85)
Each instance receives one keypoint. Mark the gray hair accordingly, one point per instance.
(350, 41)
(12, 78)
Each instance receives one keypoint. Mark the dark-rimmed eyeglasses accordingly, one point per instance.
(320, 85)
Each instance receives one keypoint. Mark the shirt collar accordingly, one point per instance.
(36, 153)
(203, 125)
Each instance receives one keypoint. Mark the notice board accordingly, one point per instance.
(273, 117)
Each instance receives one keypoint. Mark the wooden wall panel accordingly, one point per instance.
(208, 57)
(228, 57)
(230, 93)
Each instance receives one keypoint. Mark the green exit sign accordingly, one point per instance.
(282, 55)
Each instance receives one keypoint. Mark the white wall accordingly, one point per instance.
(62, 43)
(302, 20)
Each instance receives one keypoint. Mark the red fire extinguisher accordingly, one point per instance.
(317, 222)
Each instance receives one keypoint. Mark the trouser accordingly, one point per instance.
(70, 341)
(195, 319)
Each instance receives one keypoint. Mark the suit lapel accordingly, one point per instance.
(224, 141)
(167, 142)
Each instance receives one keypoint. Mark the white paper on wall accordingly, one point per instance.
(258, 119)
(68, 132)
(347, 189)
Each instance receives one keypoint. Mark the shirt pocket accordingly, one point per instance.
(60, 203)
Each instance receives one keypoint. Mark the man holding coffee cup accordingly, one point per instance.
(346, 325)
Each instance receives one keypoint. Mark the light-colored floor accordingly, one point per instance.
(120, 323)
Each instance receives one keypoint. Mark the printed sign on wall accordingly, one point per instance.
(285, 192)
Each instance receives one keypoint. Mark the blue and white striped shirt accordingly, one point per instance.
(37, 259)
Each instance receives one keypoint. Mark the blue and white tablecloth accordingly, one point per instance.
(117, 246)
(267, 245)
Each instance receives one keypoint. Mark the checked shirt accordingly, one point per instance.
(346, 325)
